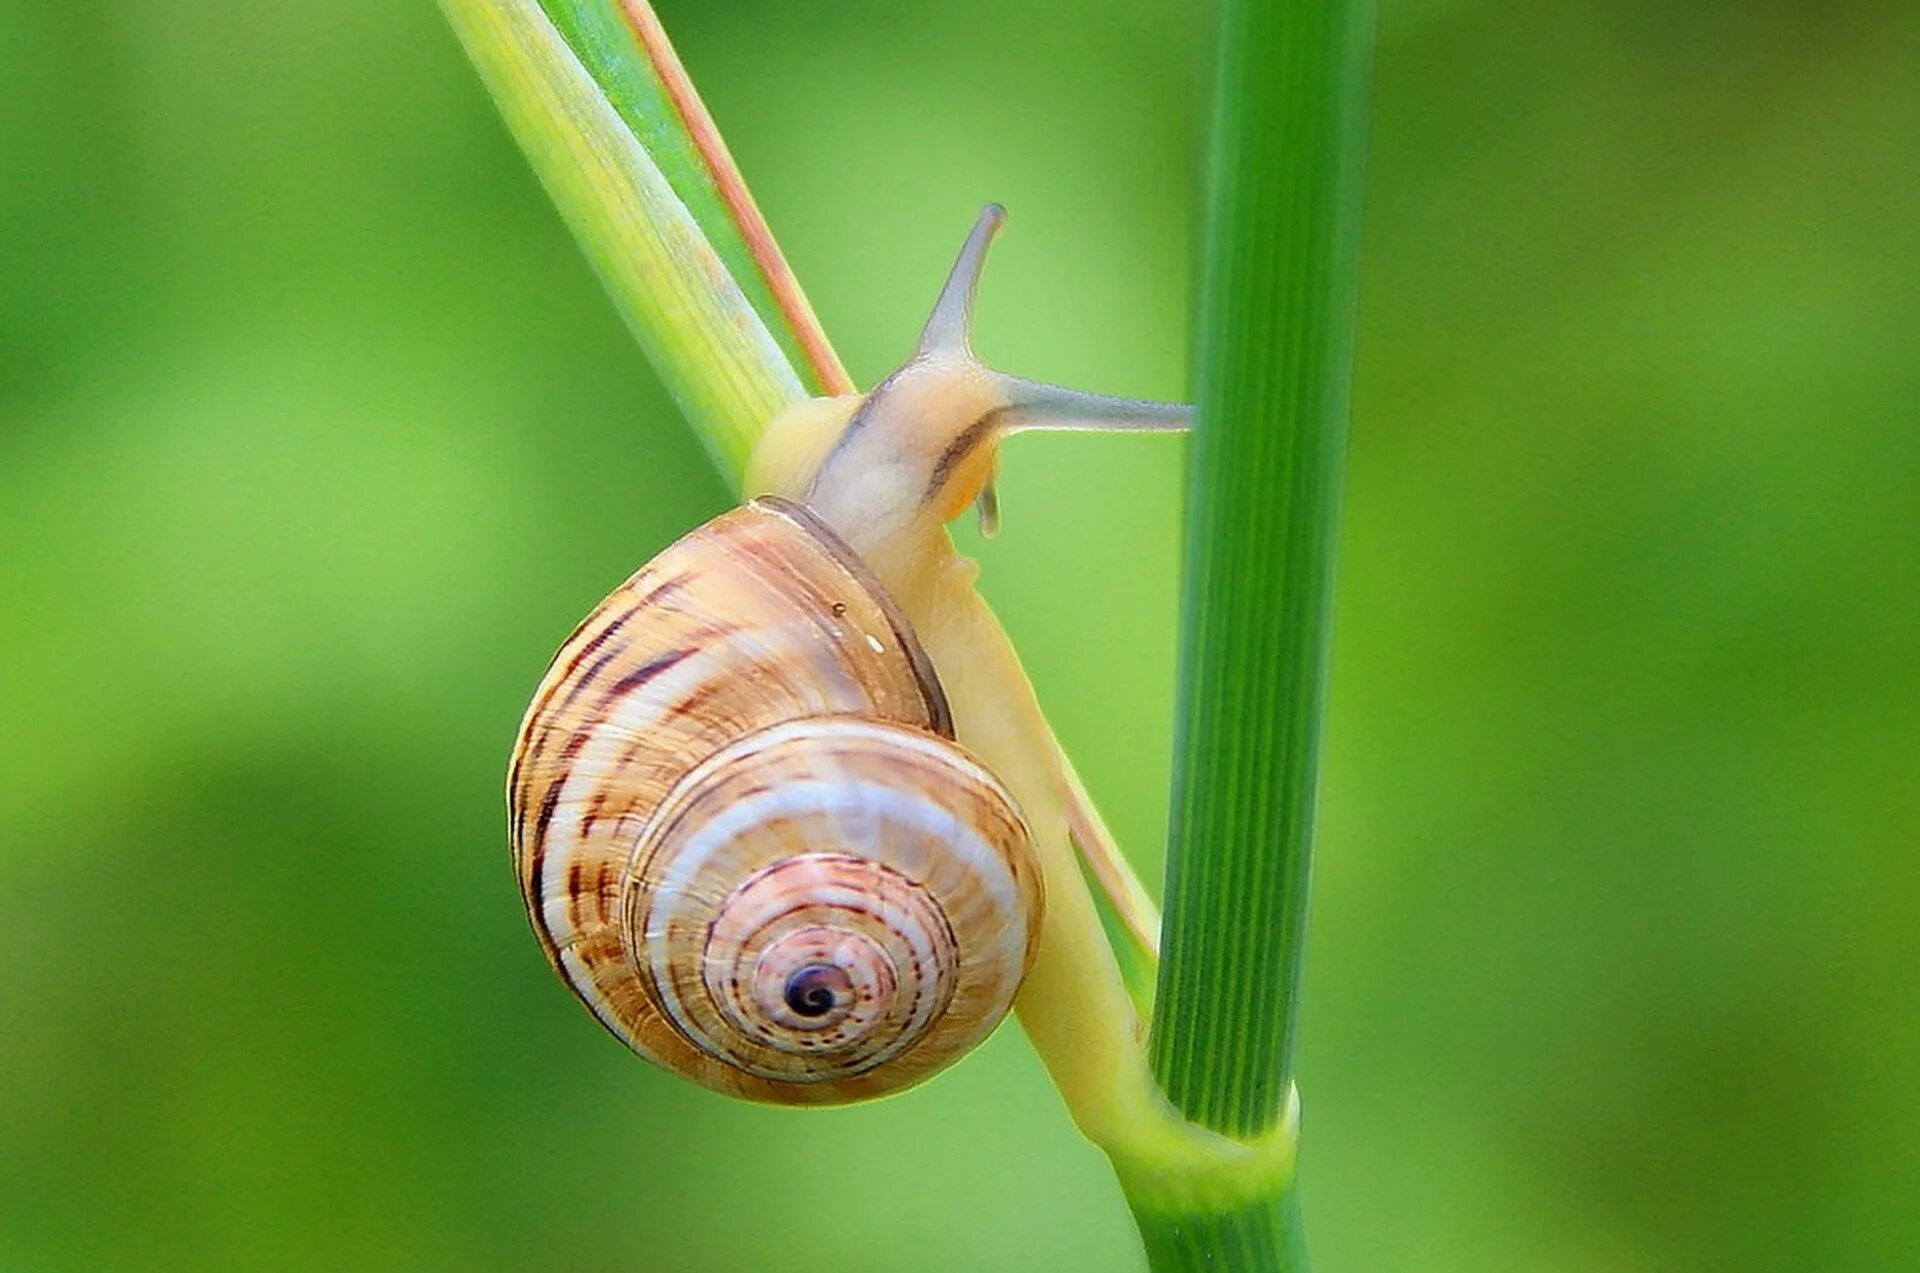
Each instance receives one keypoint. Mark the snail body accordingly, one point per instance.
(785, 814)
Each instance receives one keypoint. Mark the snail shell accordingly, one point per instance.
(745, 835)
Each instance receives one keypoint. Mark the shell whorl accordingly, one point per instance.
(745, 837)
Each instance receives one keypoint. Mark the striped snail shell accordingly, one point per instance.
(745, 835)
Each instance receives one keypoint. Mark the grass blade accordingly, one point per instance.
(625, 48)
(711, 346)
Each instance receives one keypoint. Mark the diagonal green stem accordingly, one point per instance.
(685, 299)
(623, 45)
(1276, 326)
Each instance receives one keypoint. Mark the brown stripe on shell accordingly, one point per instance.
(639, 676)
(549, 802)
(569, 677)
(627, 684)
(557, 678)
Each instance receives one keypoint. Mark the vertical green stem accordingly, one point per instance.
(1264, 1234)
(1274, 360)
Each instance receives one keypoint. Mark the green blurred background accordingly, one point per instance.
(316, 436)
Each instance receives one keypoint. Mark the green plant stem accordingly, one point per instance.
(1264, 1234)
(1273, 366)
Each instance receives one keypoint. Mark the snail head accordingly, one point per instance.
(911, 455)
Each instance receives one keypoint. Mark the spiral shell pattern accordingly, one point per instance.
(745, 836)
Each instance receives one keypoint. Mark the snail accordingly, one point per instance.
(785, 814)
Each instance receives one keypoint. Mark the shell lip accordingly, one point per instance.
(939, 714)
